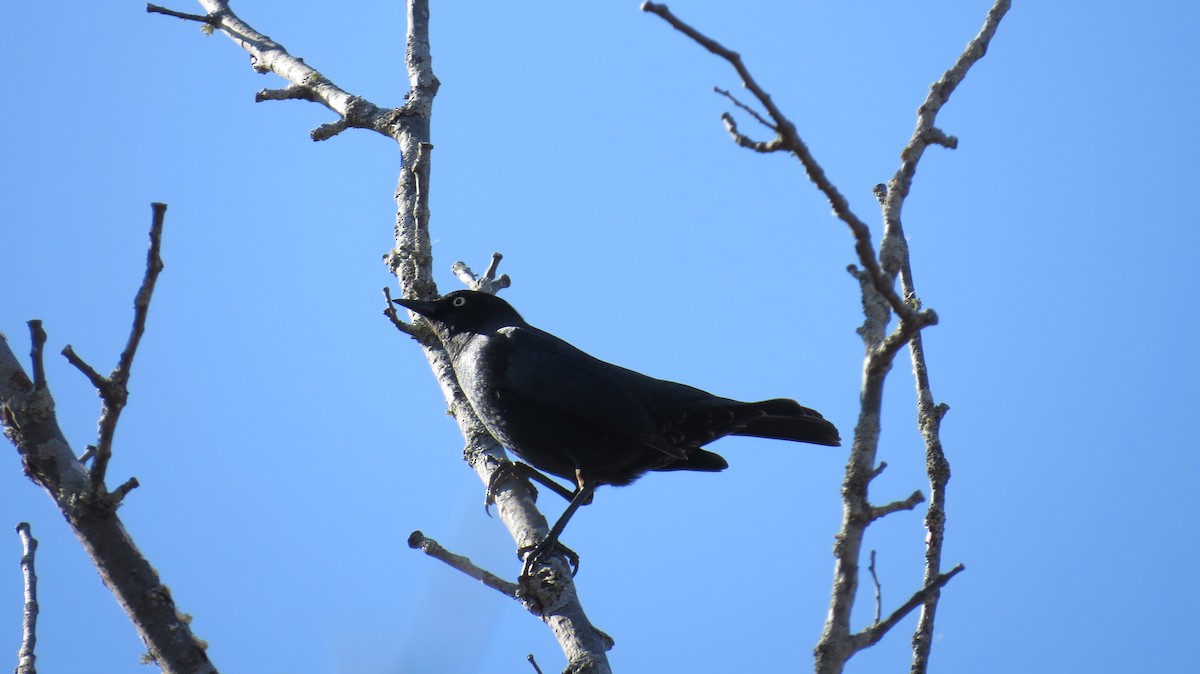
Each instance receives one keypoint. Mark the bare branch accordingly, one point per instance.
(200, 18)
(879, 469)
(114, 389)
(37, 337)
(789, 140)
(871, 636)
(389, 310)
(26, 656)
(929, 414)
(119, 493)
(418, 541)
(305, 83)
(27, 413)
(926, 133)
(291, 92)
(488, 283)
(749, 110)
(411, 262)
(773, 145)
(80, 364)
(913, 500)
(880, 299)
(878, 588)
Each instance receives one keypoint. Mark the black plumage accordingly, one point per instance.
(585, 420)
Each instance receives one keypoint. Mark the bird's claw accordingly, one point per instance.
(533, 554)
(506, 470)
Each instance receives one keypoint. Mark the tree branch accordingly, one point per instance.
(411, 261)
(418, 541)
(929, 414)
(200, 18)
(913, 500)
(871, 636)
(114, 389)
(27, 413)
(878, 588)
(488, 283)
(789, 139)
(26, 656)
(306, 83)
(877, 279)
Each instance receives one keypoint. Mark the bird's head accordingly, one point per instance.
(467, 311)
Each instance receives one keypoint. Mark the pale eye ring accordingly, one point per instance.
(459, 301)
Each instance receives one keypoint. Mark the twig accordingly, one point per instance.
(266, 55)
(28, 415)
(878, 589)
(119, 493)
(914, 499)
(114, 391)
(765, 147)
(488, 283)
(200, 18)
(389, 310)
(789, 139)
(88, 371)
(418, 541)
(749, 110)
(879, 469)
(26, 656)
(871, 635)
(38, 338)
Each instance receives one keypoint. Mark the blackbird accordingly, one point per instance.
(591, 422)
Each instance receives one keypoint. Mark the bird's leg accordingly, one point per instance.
(582, 495)
(518, 470)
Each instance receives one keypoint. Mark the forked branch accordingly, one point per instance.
(877, 276)
(29, 419)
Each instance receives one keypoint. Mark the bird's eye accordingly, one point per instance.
(459, 301)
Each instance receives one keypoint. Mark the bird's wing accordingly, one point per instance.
(547, 373)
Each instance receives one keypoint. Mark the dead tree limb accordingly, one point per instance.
(877, 274)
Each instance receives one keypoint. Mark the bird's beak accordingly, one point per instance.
(427, 309)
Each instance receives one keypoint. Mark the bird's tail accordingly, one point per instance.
(784, 419)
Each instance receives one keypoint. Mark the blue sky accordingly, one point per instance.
(287, 439)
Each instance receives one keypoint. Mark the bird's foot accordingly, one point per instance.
(534, 554)
(507, 470)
